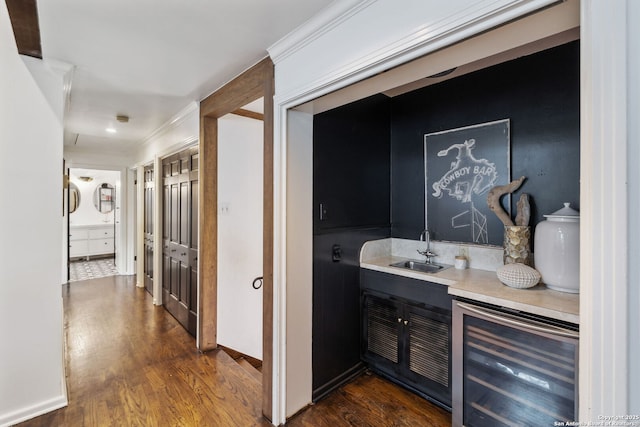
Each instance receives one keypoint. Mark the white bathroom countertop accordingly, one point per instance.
(476, 284)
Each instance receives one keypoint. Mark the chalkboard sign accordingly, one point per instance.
(461, 166)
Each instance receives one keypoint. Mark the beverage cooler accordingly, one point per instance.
(511, 368)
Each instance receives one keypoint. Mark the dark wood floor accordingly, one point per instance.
(129, 363)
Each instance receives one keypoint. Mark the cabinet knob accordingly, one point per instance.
(406, 322)
(399, 319)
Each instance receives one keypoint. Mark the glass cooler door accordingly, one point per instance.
(512, 371)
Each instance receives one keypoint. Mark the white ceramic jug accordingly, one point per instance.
(557, 250)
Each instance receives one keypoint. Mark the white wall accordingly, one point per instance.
(87, 213)
(32, 379)
(342, 47)
(240, 185)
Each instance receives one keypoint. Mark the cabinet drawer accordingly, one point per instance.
(100, 246)
(101, 233)
(81, 234)
(78, 248)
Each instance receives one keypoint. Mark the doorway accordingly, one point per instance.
(94, 208)
(240, 210)
(255, 83)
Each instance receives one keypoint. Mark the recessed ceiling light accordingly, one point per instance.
(111, 130)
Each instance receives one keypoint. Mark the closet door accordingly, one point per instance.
(148, 228)
(180, 208)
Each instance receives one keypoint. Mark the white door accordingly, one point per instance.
(240, 192)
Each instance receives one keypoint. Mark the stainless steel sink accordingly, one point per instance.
(420, 266)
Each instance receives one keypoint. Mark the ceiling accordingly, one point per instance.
(150, 59)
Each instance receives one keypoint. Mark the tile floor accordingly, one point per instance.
(93, 269)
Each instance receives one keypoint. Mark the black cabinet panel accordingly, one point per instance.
(351, 165)
(336, 306)
(351, 194)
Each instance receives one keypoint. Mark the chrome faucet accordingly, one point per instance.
(425, 237)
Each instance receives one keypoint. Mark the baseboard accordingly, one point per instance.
(33, 411)
(322, 391)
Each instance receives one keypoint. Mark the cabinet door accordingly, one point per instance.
(101, 233)
(100, 246)
(78, 248)
(382, 320)
(409, 342)
(427, 344)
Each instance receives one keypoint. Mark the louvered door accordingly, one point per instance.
(382, 328)
(428, 350)
(409, 342)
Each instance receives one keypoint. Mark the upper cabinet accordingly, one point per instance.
(351, 165)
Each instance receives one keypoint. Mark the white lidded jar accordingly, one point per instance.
(557, 250)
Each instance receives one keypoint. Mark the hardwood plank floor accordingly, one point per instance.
(371, 401)
(129, 363)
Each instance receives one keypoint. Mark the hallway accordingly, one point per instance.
(130, 363)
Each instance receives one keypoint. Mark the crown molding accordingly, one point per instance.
(480, 16)
(321, 23)
(173, 122)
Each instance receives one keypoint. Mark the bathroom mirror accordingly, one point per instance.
(104, 198)
(74, 197)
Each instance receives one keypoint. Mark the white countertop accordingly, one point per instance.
(479, 285)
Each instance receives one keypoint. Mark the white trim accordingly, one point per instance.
(457, 27)
(279, 370)
(157, 231)
(172, 123)
(604, 259)
(140, 243)
(314, 28)
(481, 17)
(33, 411)
(633, 231)
(178, 146)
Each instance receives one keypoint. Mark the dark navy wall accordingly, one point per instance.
(538, 93)
(351, 167)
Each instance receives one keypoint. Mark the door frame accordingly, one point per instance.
(255, 83)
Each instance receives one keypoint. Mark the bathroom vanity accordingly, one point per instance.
(91, 240)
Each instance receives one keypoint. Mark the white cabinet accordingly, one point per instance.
(91, 240)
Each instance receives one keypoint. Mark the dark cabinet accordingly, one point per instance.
(351, 198)
(408, 340)
(336, 307)
(352, 165)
